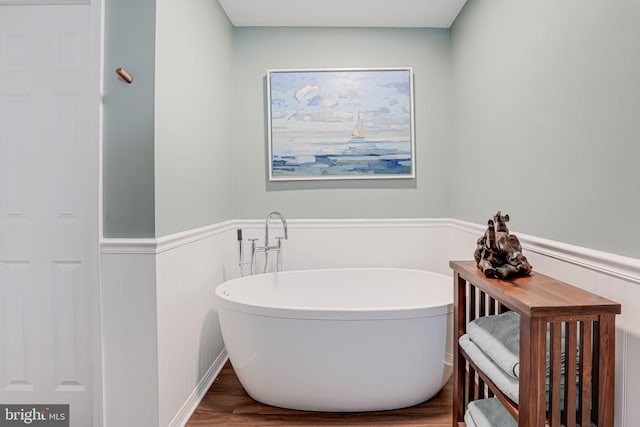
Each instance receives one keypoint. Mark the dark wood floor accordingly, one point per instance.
(227, 404)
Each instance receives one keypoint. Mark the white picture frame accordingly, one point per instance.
(328, 124)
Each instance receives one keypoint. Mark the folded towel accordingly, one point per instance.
(499, 338)
(507, 383)
(488, 413)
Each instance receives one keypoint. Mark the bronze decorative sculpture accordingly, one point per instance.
(498, 253)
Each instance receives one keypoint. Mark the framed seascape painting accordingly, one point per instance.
(340, 124)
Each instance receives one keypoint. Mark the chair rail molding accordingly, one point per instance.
(619, 266)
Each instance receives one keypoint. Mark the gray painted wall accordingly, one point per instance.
(427, 51)
(193, 168)
(543, 93)
(128, 138)
(167, 136)
(547, 119)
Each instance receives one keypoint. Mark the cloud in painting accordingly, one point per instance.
(307, 94)
(403, 88)
(329, 103)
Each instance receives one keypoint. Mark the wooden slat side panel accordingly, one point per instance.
(584, 411)
(460, 303)
(532, 393)
(595, 372)
(607, 370)
(555, 374)
(570, 373)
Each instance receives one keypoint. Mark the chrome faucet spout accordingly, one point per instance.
(278, 247)
(282, 219)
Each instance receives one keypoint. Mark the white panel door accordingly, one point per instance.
(48, 208)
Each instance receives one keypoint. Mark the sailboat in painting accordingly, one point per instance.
(358, 130)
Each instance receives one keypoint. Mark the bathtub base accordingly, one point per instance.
(341, 340)
(339, 366)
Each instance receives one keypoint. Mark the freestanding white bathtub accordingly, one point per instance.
(339, 340)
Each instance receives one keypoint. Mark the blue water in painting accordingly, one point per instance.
(349, 159)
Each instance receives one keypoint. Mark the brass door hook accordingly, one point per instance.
(124, 75)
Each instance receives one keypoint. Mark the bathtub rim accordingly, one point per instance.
(351, 314)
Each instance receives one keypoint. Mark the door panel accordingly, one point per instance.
(48, 208)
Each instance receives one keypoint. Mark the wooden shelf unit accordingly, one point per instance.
(542, 302)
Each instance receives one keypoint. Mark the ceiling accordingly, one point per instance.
(342, 13)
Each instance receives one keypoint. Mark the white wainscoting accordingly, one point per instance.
(158, 294)
(191, 352)
(162, 343)
(129, 333)
(335, 243)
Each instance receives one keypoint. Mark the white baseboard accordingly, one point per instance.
(182, 416)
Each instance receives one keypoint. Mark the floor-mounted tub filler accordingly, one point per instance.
(339, 340)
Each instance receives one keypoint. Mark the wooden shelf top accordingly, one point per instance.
(537, 295)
